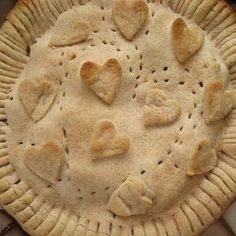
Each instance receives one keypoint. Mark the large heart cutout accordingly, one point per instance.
(186, 41)
(37, 96)
(160, 108)
(69, 29)
(132, 197)
(106, 142)
(45, 160)
(218, 102)
(103, 80)
(129, 16)
(203, 159)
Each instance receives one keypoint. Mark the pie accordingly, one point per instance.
(118, 118)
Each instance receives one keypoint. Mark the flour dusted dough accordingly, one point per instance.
(117, 116)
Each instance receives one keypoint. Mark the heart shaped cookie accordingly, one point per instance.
(103, 80)
(203, 159)
(131, 198)
(37, 96)
(129, 16)
(160, 108)
(105, 141)
(69, 29)
(218, 102)
(45, 160)
(186, 41)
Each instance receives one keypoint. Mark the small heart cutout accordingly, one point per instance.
(203, 159)
(45, 160)
(37, 96)
(186, 41)
(129, 16)
(218, 102)
(69, 29)
(160, 108)
(103, 80)
(105, 141)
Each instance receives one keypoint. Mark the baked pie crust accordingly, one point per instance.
(117, 117)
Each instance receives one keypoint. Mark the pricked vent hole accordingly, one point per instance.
(20, 143)
(64, 132)
(11, 98)
(134, 96)
(176, 166)
(201, 84)
(166, 80)
(142, 172)
(107, 188)
(141, 67)
(181, 128)
(181, 82)
(93, 193)
(160, 162)
(165, 68)
(32, 144)
(147, 32)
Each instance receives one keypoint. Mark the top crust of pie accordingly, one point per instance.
(117, 117)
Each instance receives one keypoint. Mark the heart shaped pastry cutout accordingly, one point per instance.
(69, 29)
(37, 96)
(218, 102)
(133, 197)
(106, 142)
(103, 80)
(203, 159)
(186, 41)
(160, 108)
(129, 16)
(45, 160)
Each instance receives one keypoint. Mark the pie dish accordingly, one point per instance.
(118, 117)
